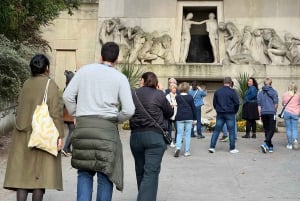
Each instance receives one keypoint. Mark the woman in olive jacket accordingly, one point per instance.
(146, 142)
(31, 169)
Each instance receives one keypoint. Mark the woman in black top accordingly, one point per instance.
(146, 142)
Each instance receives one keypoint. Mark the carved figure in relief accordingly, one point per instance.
(276, 49)
(145, 55)
(246, 40)
(212, 29)
(137, 35)
(187, 22)
(232, 37)
(293, 54)
(258, 47)
(106, 31)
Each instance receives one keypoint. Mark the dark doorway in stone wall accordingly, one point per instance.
(200, 50)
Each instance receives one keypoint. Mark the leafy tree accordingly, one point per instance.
(21, 19)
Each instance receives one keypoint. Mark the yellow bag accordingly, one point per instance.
(44, 134)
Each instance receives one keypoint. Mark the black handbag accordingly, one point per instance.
(167, 137)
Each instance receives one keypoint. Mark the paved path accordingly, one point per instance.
(246, 176)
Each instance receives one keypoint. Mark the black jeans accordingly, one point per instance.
(251, 124)
(269, 124)
(147, 148)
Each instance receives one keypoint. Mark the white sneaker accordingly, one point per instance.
(234, 151)
(211, 150)
(295, 145)
(187, 154)
(172, 145)
(289, 146)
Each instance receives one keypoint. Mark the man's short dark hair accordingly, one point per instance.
(110, 52)
(227, 80)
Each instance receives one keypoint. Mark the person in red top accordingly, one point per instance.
(291, 101)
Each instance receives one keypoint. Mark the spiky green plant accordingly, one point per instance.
(241, 88)
(132, 72)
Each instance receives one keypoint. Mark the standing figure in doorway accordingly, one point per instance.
(186, 37)
(212, 29)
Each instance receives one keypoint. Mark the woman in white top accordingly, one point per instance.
(171, 98)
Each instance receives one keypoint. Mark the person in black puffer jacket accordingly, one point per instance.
(146, 141)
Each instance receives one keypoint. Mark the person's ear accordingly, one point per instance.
(100, 59)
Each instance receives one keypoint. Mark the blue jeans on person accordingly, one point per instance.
(184, 128)
(85, 186)
(170, 122)
(147, 148)
(225, 131)
(269, 124)
(229, 119)
(199, 126)
(291, 126)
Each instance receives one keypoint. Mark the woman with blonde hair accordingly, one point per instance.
(291, 102)
(185, 118)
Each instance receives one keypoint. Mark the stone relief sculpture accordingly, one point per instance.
(257, 47)
(293, 54)
(212, 29)
(250, 46)
(232, 37)
(276, 49)
(260, 46)
(186, 36)
(136, 45)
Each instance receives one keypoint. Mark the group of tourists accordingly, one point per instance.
(98, 98)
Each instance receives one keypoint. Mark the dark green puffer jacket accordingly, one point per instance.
(97, 147)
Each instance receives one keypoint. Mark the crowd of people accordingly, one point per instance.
(95, 103)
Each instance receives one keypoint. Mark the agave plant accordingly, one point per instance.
(132, 72)
(242, 87)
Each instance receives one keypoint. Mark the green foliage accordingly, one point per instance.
(242, 87)
(133, 73)
(14, 68)
(21, 19)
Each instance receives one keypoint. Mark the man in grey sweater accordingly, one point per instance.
(94, 97)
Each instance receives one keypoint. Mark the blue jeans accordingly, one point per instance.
(199, 126)
(225, 132)
(223, 118)
(85, 186)
(269, 124)
(291, 126)
(184, 128)
(147, 148)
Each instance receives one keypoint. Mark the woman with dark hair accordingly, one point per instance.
(250, 109)
(146, 142)
(31, 170)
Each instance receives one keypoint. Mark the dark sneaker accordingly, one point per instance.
(200, 136)
(177, 152)
(271, 149)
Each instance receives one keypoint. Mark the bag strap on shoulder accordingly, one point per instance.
(46, 91)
